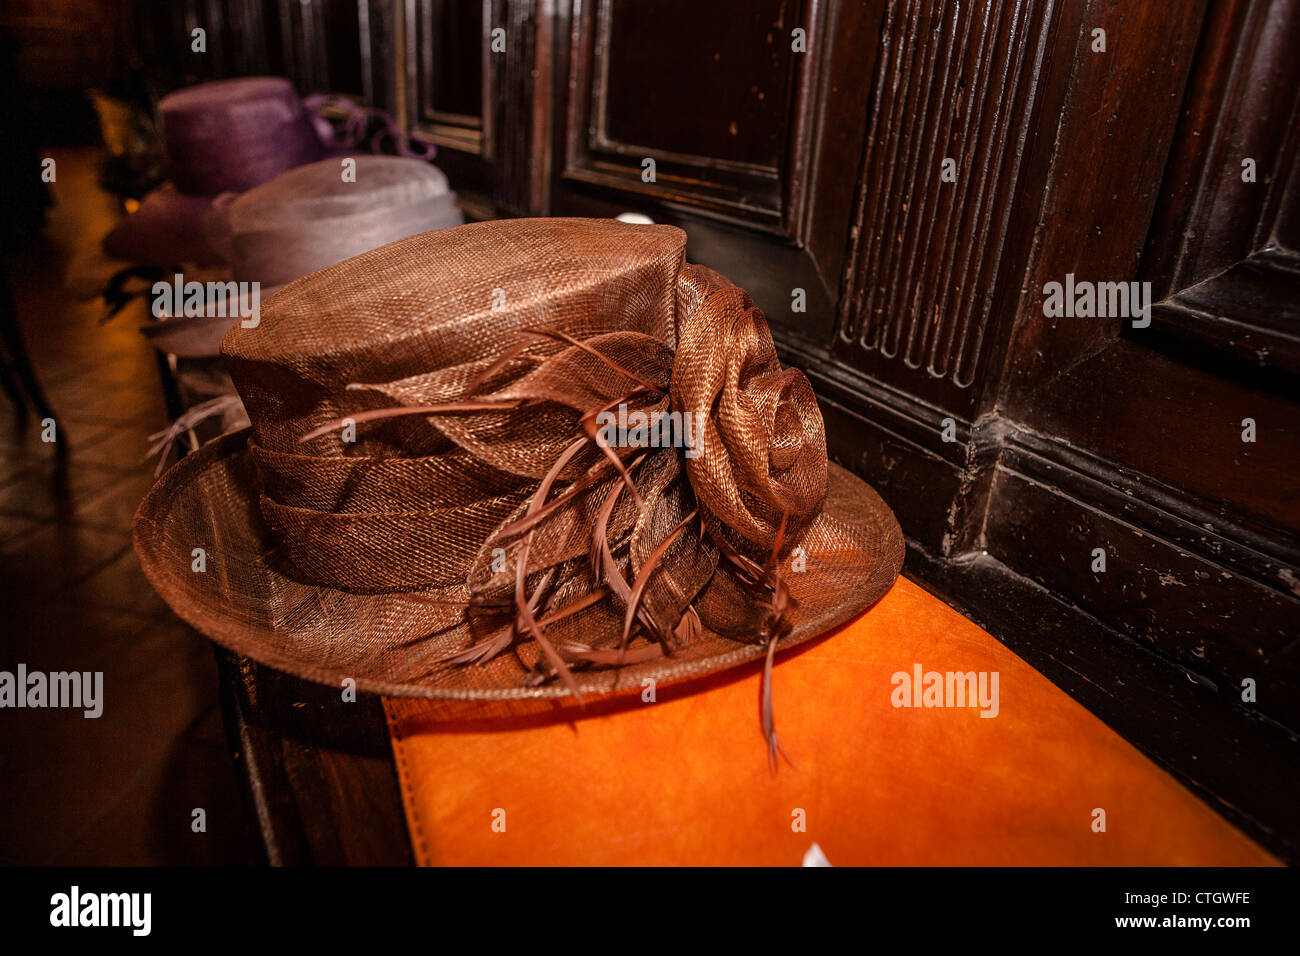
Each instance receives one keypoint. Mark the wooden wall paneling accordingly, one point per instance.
(705, 95)
(1115, 128)
(761, 189)
(1158, 420)
(1240, 104)
(242, 38)
(1114, 445)
(823, 182)
(934, 267)
(322, 42)
(1086, 381)
(449, 84)
(383, 54)
(467, 99)
(1218, 624)
(819, 176)
(1141, 456)
(211, 15)
(1220, 259)
(368, 46)
(956, 81)
(521, 108)
(168, 44)
(543, 79)
(1243, 322)
(297, 63)
(330, 46)
(247, 38)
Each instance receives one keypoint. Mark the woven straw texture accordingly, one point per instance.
(489, 546)
(231, 135)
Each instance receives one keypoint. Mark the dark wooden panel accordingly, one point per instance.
(1241, 104)
(455, 80)
(1209, 529)
(1184, 606)
(383, 55)
(710, 104)
(1219, 254)
(498, 160)
(523, 106)
(711, 81)
(249, 38)
(1110, 146)
(1160, 420)
(823, 186)
(448, 72)
(322, 45)
(1142, 454)
(955, 81)
(448, 52)
(1249, 312)
(243, 38)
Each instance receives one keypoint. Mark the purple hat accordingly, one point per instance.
(307, 219)
(232, 135)
(226, 136)
(163, 230)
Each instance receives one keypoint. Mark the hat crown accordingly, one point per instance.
(316, 215)
(328, 190)
(441, 300)
(232, 135)
(206, 99)
(497, 345)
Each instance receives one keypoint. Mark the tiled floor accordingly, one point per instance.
(120, 789)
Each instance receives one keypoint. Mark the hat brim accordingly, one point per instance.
(166, 230)
(204, 547)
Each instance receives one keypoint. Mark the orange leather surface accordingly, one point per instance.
(685, 780)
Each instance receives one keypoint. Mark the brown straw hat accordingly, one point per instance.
(450, 488)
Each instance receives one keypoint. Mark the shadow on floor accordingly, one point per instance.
(122, 788)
